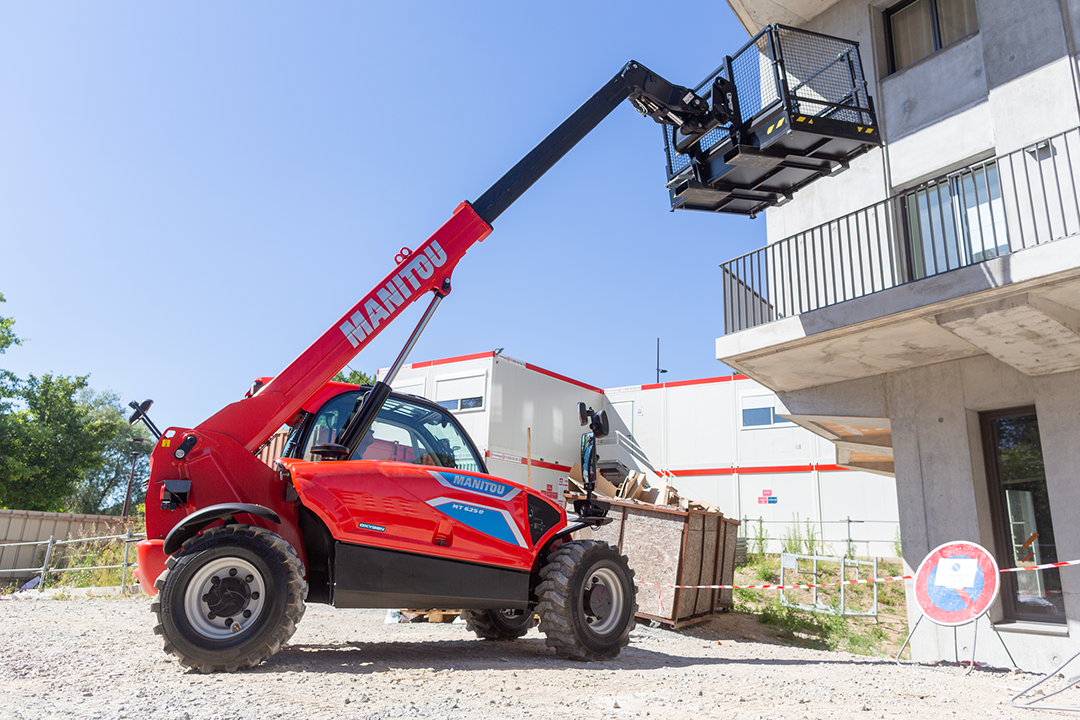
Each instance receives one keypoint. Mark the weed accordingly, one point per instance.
(89, 563)
(792, 541)
(813, 539)
(800, 540)
(768, 571)
(760, 541)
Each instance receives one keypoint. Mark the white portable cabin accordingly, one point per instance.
(502, 402)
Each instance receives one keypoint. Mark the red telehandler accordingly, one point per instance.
(381, 500)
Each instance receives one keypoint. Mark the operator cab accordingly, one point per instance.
(407, 429)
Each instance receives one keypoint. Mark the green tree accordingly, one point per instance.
(7, 335)
(47, 448)
(101, 489)
(355, 377)
(8, 381)
(60, 442)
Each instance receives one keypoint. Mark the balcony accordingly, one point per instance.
(982, 212)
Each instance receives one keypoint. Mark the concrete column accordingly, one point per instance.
(1057, 404)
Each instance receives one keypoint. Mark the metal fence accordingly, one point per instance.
(46, 568)
(841, 536)
(1014, 201)
(791, 562)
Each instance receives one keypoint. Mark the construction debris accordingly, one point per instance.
(637, 488)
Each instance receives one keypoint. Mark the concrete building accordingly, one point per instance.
(723, 441)
(922, 309)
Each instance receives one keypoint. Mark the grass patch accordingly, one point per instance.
(825, 629)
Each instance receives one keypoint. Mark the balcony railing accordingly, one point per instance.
(992, 208)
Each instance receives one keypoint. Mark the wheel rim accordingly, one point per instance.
(603, 601)
(225, 598)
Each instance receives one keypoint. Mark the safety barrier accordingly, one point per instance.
(52, 543)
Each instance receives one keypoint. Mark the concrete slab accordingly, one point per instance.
(854, 354)
(756, 14)
(897, 328)
(1032, 334)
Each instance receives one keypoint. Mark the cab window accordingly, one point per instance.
(403, 432)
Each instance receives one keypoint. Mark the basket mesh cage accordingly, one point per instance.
(823, 77)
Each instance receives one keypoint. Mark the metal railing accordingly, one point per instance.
(632, 448)
(52, 543)
(817, 533)
(1014, 201)
(790, 561)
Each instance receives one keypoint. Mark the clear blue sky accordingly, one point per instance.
(190, 193)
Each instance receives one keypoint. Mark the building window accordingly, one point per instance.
(955, 221)
(760, 411)
(1021, 513)
(470, 403)
(461, 392)
(918, 28)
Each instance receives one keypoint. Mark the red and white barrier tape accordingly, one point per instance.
(775, 587)
(865, 581)
(1042, 567)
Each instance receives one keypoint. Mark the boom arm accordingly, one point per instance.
(252, 420)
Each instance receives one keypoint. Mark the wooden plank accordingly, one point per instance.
(690, 565)
(704, 604)
(727, 572)
(718, 560)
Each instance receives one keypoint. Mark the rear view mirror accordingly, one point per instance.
(588, 457)
(599, 424)
(583, 414)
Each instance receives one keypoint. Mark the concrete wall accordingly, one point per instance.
(1012, 83)
(941, 486)
(942, 489)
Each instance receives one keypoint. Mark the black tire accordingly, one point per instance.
(588, 600)
(231, 570)
(499, 624)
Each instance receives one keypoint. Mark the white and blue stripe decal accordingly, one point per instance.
(478, 485)
(494, 522)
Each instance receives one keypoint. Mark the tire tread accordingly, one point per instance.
(296, 594)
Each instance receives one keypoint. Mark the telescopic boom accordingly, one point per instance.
(428, 268)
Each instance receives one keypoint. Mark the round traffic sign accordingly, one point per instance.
(956, 583)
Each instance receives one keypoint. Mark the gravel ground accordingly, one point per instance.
(98, 658)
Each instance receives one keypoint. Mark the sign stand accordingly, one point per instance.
(1035, 703)
(955, 585)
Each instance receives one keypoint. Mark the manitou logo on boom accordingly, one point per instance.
(387, 300)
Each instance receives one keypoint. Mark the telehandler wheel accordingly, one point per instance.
(499, 624)
(229, 598)
(588, 600)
